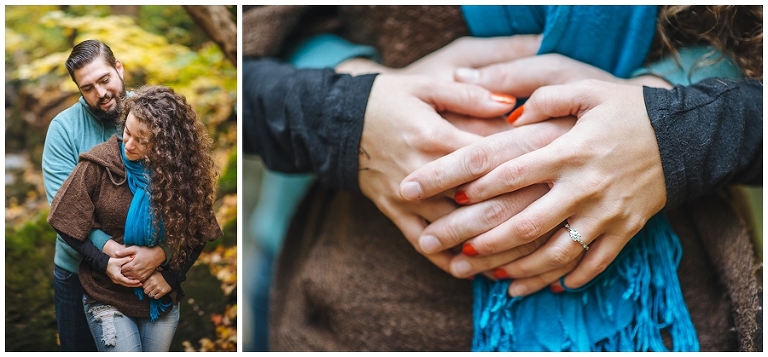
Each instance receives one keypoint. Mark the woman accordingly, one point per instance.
(155, 186)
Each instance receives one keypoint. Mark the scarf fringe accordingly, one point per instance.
(156, 306)
(635, 302)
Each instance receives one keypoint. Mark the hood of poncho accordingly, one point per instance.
(107, 155)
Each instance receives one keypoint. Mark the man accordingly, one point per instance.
(90, 121)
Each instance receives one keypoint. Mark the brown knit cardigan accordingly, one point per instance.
(96, 196)
(348, 280)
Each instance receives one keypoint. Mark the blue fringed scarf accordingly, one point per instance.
(628, 306)
(139, 227)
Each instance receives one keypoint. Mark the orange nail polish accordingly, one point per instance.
(556, 288)
(461, 198)
(503, 98)
(469, 250)
(499, 273)
(515, 114)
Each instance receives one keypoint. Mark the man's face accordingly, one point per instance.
(102, 88)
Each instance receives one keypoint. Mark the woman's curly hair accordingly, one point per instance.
(737, 31)
(179, 158)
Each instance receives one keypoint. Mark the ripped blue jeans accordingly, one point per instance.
(114, 332)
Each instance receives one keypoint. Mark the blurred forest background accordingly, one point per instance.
(192, 49)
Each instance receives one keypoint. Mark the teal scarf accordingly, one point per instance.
(139, 227)
(626, 308)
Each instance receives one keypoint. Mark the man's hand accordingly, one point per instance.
(155, 286)
(469, 52)
(145, 261)
(403, 131)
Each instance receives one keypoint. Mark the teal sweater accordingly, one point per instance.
(73, 131)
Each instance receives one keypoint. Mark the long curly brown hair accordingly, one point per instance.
(179, 158)
(737, 31)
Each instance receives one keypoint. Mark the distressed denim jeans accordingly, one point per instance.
(74, 333)
(115, 332)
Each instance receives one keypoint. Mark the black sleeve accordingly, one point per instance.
(710, 134)
(175, 277)
(307, 120)
(88, 250)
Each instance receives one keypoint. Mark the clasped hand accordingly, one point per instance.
(604, 177)
(517, 186)
(136, 266)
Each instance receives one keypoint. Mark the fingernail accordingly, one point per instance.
(411, 190)
(556, 288)
(469, 250)
(461, 198)
(471, 277)
(503, 98)
(467, 75)
(429, 244)
(515, 114)
(499, 273)
(461, 267)
(517, 290)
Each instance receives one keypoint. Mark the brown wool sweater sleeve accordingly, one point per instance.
(72, 210)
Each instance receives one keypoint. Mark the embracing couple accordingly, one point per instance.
(636, 120)
(130, 179)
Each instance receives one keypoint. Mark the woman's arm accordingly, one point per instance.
(175, 277)
(710, 134)
(88, 250)
(307, 120)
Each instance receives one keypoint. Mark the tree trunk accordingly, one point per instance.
(127, 10)
(217, 22)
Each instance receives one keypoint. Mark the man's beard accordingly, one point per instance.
(109, 117)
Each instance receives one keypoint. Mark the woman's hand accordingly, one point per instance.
(146, 260)
(114, 267)
(605, 176)
(155, 286)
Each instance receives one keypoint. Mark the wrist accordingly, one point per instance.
(164, 253)
(356, 66)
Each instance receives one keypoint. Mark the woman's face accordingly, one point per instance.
(135, 138)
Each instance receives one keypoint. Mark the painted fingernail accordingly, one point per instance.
(461, 268)
(517, 290)
(469, 250)
(411, 190)
(461, 198)
(467, 75)
(556, 288)
(515, 114)
(503, 98)
(429, 244)
(499, 273)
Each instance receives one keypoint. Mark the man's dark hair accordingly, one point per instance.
(85, 52)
